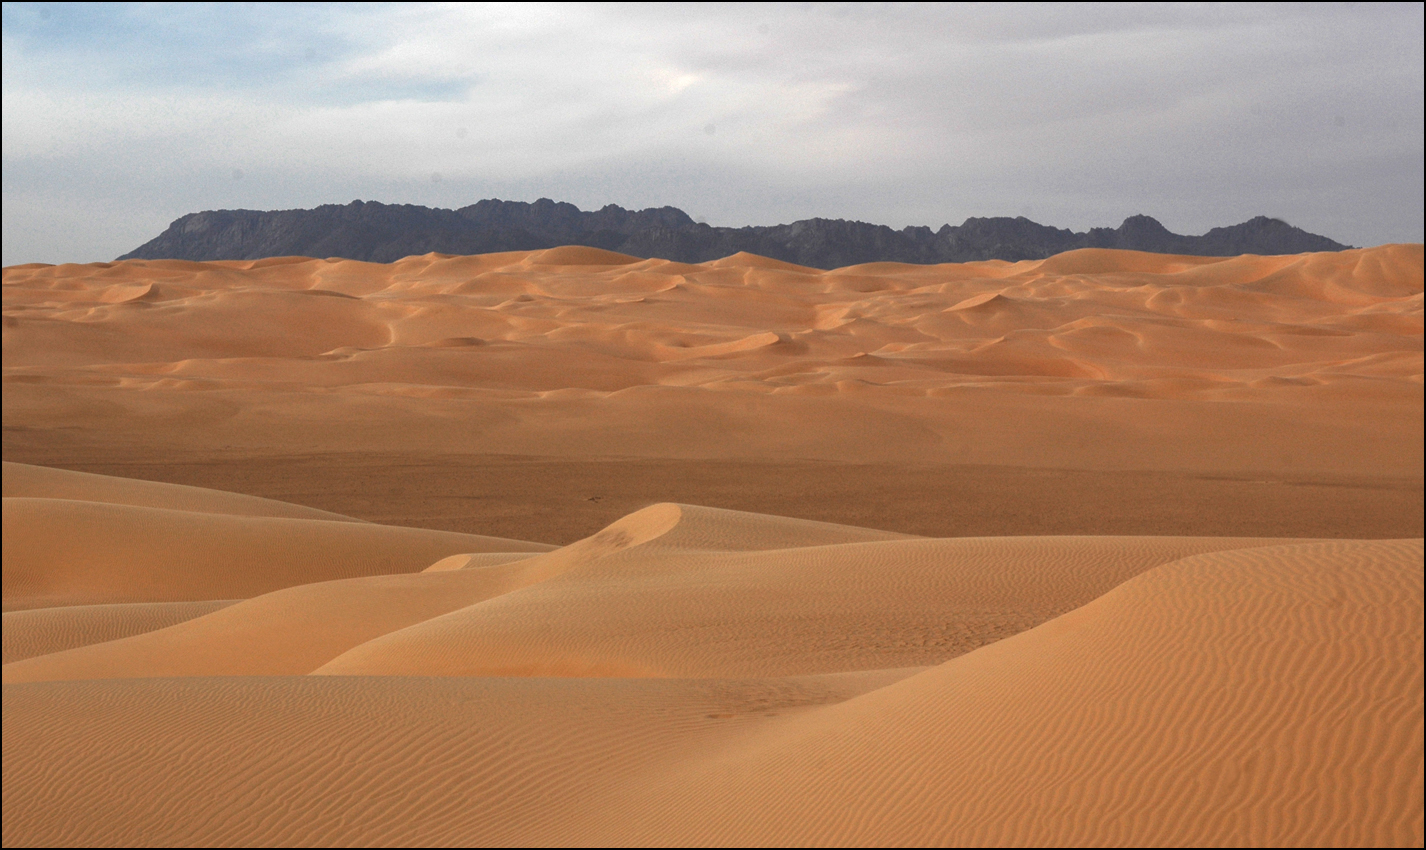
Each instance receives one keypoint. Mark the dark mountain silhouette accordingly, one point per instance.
(385, 232)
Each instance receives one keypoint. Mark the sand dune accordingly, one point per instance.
(1228, 698)
(70, 552)
(693, 675)
(576, 352)
(38, 482)
(679, 605)
(407, 760)
(41, 631)
(283, 633)
(324, 665)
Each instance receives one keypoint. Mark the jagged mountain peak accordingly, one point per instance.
(378, 232)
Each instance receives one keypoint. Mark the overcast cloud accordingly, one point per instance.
(120, 118)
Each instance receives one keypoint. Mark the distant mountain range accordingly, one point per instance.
(382, 233)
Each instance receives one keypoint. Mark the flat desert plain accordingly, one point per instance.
(570, 547)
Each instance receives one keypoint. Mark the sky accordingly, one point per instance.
(119, 118)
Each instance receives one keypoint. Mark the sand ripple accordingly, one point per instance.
(691, 675)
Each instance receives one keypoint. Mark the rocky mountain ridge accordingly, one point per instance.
(377, 232)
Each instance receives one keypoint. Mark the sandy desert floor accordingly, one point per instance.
(568, 547)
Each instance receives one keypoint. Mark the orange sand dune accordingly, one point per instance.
(1093, 359)
(1254, 698)
(682, 592)
(41, 631)
(678, 605)
(1182, 658)
(1268, 696)
(286, 632)
(69, 552)
(691, 675)
(38, 482)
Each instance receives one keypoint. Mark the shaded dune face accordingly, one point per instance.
(576, 351)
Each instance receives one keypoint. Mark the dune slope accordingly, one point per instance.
(69, 552)
(22, 480)
(677, 605)
(1260, 695)
(42, 631)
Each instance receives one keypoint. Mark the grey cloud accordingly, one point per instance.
(916, 114)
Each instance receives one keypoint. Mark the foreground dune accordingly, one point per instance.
(41, 631)
(694, 675)
(1262, 696)
(508, 563)
(671, 591)
(24, 481)
(68, 552)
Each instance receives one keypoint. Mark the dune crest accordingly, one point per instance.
(38, 482)
(1227, 698)
(148, 542)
